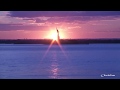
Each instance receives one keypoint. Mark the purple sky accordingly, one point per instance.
(71, 24)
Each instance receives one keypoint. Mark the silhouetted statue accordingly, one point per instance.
(58, 37)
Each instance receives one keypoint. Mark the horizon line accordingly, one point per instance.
(52, 39)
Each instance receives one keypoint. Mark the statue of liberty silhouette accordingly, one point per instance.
(58, 37)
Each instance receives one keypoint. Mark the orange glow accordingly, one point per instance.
(53, 34)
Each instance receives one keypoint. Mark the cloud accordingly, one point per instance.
(7, 27)
(80, 17)
(76, 19)
(101, 13)
(31, 14)
(107, 31)
(42, 20)
(4, 13)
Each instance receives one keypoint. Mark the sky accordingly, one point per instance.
(71, 24)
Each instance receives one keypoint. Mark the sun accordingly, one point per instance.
(53, 36)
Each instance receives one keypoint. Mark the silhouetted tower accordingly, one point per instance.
(58, 37)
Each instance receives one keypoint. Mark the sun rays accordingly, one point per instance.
(55, 40)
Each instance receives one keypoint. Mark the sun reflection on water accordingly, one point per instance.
(54, 66)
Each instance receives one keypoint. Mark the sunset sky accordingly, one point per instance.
(71, 24)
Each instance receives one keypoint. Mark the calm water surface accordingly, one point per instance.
(36, 61)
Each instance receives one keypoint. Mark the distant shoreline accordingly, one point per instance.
(62, 41)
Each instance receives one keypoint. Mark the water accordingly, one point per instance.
(36, 61)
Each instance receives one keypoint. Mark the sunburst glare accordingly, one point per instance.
(55, 37)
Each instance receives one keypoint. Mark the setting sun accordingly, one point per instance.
(54, 36)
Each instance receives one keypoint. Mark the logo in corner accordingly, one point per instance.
(107, 75)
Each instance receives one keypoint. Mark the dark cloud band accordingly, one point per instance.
(32, 14)
(8, 27)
